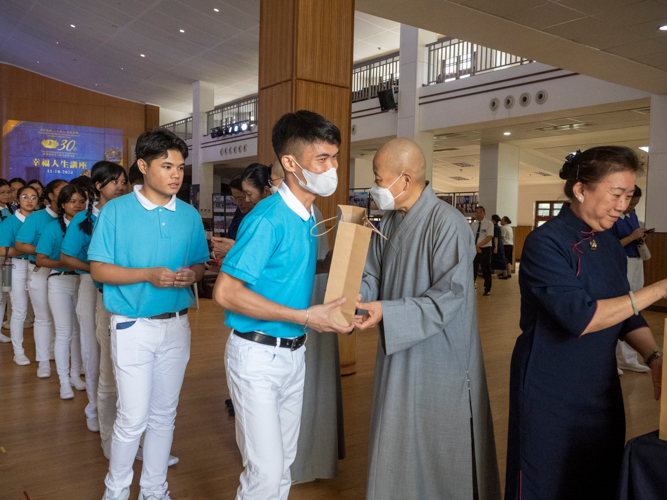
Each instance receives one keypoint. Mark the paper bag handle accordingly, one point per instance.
(365, 221)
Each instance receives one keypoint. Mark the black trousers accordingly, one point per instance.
(484, 259)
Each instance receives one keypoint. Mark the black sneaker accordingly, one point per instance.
(487, 293)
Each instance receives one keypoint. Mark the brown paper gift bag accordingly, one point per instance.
(348, 260)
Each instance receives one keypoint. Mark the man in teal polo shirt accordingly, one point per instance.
(265, 287)
(148, 247)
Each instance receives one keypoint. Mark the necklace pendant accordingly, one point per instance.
(593, 245)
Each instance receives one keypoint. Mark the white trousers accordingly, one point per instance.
(19, 297)
(266, 387)
(149, 361)
(43, 324)
(106, 387)
(63, 292)
(90, 349)
(626, 355)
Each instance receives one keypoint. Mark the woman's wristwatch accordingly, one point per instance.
(655, 354)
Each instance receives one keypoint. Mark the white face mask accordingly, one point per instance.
(383, 197)
(321, 184)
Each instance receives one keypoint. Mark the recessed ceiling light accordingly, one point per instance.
(57, 43)
(37, 62)
(142, 55)
(643, 148)
(217, 10)
(182, 31)
(122, 68)
(663, 27)
(72, 26)
(507, 133)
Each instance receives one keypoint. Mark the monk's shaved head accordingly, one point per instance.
(402, 155)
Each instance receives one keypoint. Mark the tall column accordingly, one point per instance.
(305, 62)
(499, 179)
(413, 71)
(202, 174)
(655, 269)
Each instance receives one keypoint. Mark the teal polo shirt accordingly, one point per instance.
(5, 214)
(8, 230)
(32, 228)
(275, 256)
(76, 241)
(133, 232)
(50, 242)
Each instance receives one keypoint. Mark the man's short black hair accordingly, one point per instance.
(135, 176)
(295, 131)
(156, 144)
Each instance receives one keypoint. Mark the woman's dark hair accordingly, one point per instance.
(135, 175)
(103, 173)
(36, 181)
(20, 191)
(258, 175)
(64, 196)
(295, 131)
(593, 165)
(236, 182)
(495, 218)
(17, 179)
(9, 205)
(83, 182)
(49, 189)
(157, 143)
(638, 192)
(507, 219)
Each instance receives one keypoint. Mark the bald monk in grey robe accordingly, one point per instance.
(431, 431)
(321, 438)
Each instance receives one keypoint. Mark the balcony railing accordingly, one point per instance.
(451, 59)
(236, 112)
(182, 128)
(370, 77)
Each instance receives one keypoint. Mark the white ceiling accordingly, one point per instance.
(103, 51)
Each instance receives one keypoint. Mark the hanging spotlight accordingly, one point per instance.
(230, 129)
(244, 126)
(252, 125)
(236, 128)
(213, 133)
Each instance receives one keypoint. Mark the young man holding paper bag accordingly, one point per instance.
(265, 286)
(431, 418)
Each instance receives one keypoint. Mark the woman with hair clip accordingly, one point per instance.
(63, 288)
(26, 243)
(27, 198)
(109, 181)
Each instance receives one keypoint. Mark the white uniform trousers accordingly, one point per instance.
(626, 356)
(63, 291)
(149, 360)
(266, 387)
(106, 387)
(90, 349)
(19, 297)
(43, 324)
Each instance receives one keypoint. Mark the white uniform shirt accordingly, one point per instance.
(508, 234)
(485, 230)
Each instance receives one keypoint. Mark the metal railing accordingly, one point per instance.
(236, 112)
(370, 77)
(182, 128)
(451, 59)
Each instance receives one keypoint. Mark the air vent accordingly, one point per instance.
(562, 128)
(463, 164)
(459, 178)
(448, 136)
(543, 174)
(642, 111)
(445, 149)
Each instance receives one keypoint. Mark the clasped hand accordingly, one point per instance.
(163, 277)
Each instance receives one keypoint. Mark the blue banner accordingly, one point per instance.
(47, 151)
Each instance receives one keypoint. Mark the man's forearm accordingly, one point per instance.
(111, 274)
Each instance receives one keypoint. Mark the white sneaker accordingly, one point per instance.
(5, 339)
(93, 424)
(172, 459)
(620, 372)
(123, 494)
(44, 370)
(66, 391)
(77, 383)
(154, 497)
(21, 360)
(634, 367)
(7, 324)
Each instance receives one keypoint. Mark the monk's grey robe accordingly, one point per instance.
(429, 371)
(321, 438)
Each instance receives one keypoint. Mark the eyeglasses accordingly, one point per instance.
(31, 198)
(239, 200)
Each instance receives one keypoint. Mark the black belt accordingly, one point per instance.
(63, 273)
(260, 338)
(182, 312)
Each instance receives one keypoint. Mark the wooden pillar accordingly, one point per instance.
(305, 62)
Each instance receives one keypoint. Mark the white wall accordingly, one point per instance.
(529, 194)
(361, 173)
(171, 115)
